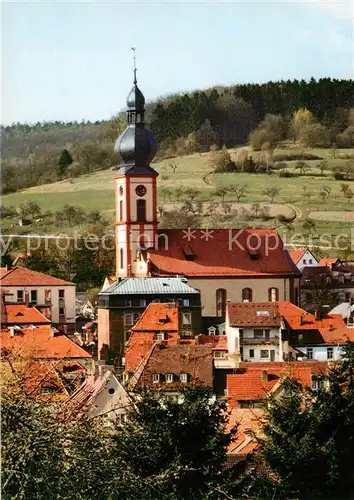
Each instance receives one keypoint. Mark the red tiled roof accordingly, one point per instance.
(3, 271)
(194, 360)
(253, 314)
(248, 423)
(327, 262)
(40, 376)
(219, 342)
(226, 253)
(18, 314)
(297, 254)
(247, 383)
(158, 317)
(331, 328)
(21, 276)
(40, 344)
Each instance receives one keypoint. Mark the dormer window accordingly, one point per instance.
(183, 378)
(169, 378)
(156, 378)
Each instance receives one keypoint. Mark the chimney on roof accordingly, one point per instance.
(27, 298)
(12, 331)
(264, 376)
(52, 331)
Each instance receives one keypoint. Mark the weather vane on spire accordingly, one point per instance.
(134, 63)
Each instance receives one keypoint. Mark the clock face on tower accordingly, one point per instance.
(140, 190)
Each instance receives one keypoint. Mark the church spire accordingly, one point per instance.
(136, 146)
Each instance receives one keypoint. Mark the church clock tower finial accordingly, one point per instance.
(135, 188)
(134, 65)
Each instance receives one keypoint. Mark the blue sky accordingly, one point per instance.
(73, 60)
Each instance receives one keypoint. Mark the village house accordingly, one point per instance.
(158, 323)
(122, 303)
(303, 257)
(327, 284)
(281, 331)
(170, 368)
(54, 297)
(250, 384)
(44, 343)
(20, 315)
(99, 396)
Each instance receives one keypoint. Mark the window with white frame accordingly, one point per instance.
(156, 378)
(169, 378)
(251, 354)
(329, 352)
(309, 353)
(310, 261)
(183, 378)
(142, 302)
(160, 336)
(186, 318)
(128, 319)
(19, 295)
(34, 296)
(264, 353)
(304, 261)
(219, 354)
(186, 302)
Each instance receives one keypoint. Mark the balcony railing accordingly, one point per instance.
(252, 341)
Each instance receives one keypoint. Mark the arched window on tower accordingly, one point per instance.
(141, 210)
(247, 295)
(273, 294)
(220, 302)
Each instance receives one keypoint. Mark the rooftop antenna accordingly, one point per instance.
(134, 64)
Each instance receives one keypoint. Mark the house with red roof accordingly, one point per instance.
(250, 384)
(281, 331)
(22, 315)
(170, 368)
(165, 323)
(44, 343)
(303, 257)
(54, 297)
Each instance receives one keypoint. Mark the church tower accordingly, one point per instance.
(135, 189)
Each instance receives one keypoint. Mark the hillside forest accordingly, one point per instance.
(313, 114)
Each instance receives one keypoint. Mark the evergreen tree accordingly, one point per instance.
(64, 161)
(309, 435)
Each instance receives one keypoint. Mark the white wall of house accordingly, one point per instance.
(65, 308)
(307, 260)
(321, 353)
(261, 350)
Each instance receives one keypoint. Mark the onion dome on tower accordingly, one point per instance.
(136, 146)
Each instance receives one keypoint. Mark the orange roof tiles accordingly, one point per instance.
(297, 254)
(253, 314)
(3, 271)
(40, 343)
(246, 252)
(254, 381)
(21, 276)
(327, 262)
(332, 327)
(158, 317)
(248, 422)
(18, 314)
